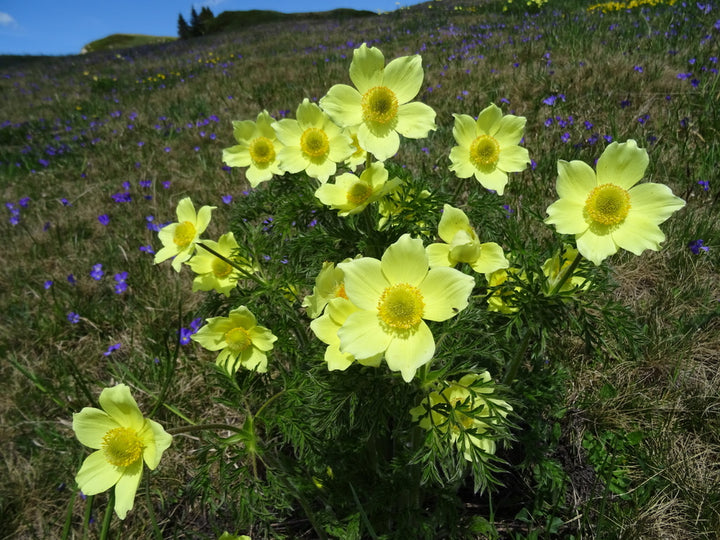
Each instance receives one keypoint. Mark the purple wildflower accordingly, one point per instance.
(97, 272)
(73, 318)
(104, 219)
(111, 349)
(697, 246)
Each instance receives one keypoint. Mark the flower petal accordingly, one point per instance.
(491, 258)
(445, 293)
(96, 474)
(495, 180)
(510, 130)
(595, 247)
(452, 221)
(460, 162)
(654, 202)
(262, 338)
(567, 216)
(575, 181)
(381, 144)
(438, 255)
(362, 336)
(126, 488)
(236, 156)
(405, 261)
(364, 282)
(90, 426)
(415, 120)
(342, 104)
(155, 440)
(513, 159)
(366, 68)
(622, 164)
(121, 406)
(292, 159)
(404, 77)
(464, 129)
(407, 353)
(638, 233)
(489, 119)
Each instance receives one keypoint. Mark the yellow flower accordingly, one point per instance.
(463, 245)
(554, 270)
(257, 149)
(213, 272)
(394, 297)
(465, 409)
(329, 284)
(351, 195)
(502, 299)
(313, 143)
(179, 238)
(380, 102)
(326, 329)
(359, 155)
(488, 147)
(238, 338)
(122, 439)
(606, 210)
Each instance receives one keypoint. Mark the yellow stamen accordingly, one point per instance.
(608, 204)
(340, 291)
(401, 306)
(359, 193)
(238, 339)
(379, 105)
(122, 446)
(484, 151)
(184, 234)
(262, 151)
(314, 142)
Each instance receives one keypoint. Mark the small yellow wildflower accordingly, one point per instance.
(179, 238)
(606, 210)
(214, 273)
(351, 194)
(123, 439)
(239, 339)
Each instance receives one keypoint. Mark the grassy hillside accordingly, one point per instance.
(124, 41)
(612, 375)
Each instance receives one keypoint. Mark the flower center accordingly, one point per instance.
(608, 204)
(238, 339)
(262, 151)
(184, 234)
(122, 446)
(401, 306)
(484, 151)
(379, 105)
(340, 291)
(220, 268)
(359, 193)
(314, 142)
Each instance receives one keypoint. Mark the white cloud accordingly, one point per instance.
(7, 20)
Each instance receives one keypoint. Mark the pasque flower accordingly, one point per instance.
(312, 143)
(462, 245)
(179, 238)
(239, 339)
(380, 104)
(605, 209)
(351, 194)
(488, 147)
(394, 297)
(123, 439)
(213, 273)
(257, 149)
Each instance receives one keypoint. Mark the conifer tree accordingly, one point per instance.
(195, 25)
(184, 31)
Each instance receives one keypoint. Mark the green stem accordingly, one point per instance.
(68, 516)
(87, 515)
(268, 402)
(108, 515)
(566, 275)
(515, 363)
(156, 530)
(243, 271)
(201, 427)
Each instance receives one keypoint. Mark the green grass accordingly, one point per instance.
(124, 41)
(616, 432)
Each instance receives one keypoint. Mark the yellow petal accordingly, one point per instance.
(594, 247)
(366, 68)
(407, 352)
(654, 202)
(126, 488)
(405, 261)
(96, 474)
(638, 233)
(121, 406)
(415, 120)
(362, 336)
(622, 164)
(404, 77)
(576, 180)
(364, 282)
(445, 293)
(90, 426)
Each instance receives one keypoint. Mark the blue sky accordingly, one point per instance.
(63, 27)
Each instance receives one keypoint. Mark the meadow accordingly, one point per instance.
(614, 383)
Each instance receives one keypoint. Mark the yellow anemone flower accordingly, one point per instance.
(466, 410)
(313, 143)
(380, 104)
(123, 439)
(326, 329)
(179, 238)
(239, 339)
(329, 284)
(257, 149)
(463, 245)
(394, 297)
(605, 210)
(488, 147)
(351, 194)
(555, 268)
(214, 273)
(359, 155)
